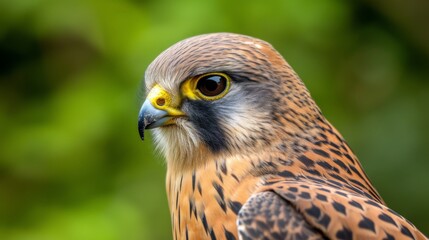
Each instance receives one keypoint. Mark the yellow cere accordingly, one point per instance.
(188, 89)
(161, 99)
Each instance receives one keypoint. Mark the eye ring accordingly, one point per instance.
(212, 86)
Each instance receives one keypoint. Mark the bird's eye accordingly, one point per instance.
(212, 86)
(208, 87)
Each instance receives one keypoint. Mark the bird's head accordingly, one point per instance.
(218, 94)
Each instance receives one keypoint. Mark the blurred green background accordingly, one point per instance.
(72, 165)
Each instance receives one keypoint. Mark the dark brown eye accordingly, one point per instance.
(212, 85)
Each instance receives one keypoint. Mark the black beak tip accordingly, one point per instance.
(141, 129)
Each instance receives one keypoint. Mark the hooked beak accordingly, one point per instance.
(157, 110)
(150, 117)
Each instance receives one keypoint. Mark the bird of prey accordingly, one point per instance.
(249, 154)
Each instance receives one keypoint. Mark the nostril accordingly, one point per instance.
(160, 102)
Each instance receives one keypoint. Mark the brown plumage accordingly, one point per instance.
(249, 154)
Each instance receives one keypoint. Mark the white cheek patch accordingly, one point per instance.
(244, 118)
(245, 121)
(177, 143)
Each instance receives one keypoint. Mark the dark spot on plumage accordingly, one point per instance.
(389, 237)
(199, 188)
(291, 111)
(305, 123)
(212, 235)
(301, 235)
(386, 218)
(320, 152)
(313, 211)
(373, 193)
(349, 157)
(341, 193)
(358, 183)
(334, 183)
(235, 177)
(355, 189)
(327, 166)
(180, 219)
(342, 165)
(293, 189)
(289, 196)
(320, 143)
(305, 195)
(325, 220)
(261, 224)
(367, 223)
(304, 186)
(235, 206)
(290, 134)
(306, 161)
(286, 174)
(321, 197)
(355, 204)
(323, 136)
(177, 199)
(220, 198)
(271, 223)
(340, 139)
(253, 232)
(336, 152)
(339, 207)
(186, 234)
(313, 172)
(221, 203)
(335, 146)
(281, 223)
(373, 203)
(270, 182)
(338, 177)
(266, 140)
(282, 147)
(371, 196)
(406, 232)
(204, 221)
(206, 120)
(223, 167)
(345, 234)
(193, 181)
(285, 162)
(344, 147)
(316, 180)
(229, 235)
(324, 189)
(252, 163)
(245, 236)
(192, 208)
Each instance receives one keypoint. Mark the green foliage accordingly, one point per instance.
(71, 163)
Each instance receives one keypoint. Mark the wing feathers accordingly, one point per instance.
(266, 215)
(297, 208)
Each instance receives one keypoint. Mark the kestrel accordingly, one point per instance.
(249, 154)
